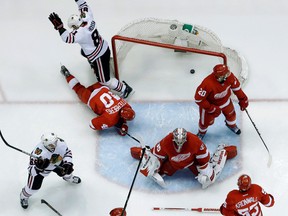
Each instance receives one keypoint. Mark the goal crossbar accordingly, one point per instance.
(157, 44)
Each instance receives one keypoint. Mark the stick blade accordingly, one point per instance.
(269, 161)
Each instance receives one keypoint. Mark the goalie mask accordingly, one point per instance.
(49, 141)
(179, 138)
(74, 21)
(221, 72)
(244, 183)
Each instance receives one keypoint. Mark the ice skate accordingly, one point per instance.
(23, 202)
(235, 129)
(72, 179)
(200, 135)
(64, 71)
(128, 90)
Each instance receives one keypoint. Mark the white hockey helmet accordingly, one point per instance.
(74, 21)
(179, 138)
(49, 140)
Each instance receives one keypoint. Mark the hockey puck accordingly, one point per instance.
(192, 71)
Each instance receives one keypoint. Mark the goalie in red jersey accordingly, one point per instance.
(246, 200)
(213, 96)
(111, 110)
(180, 150)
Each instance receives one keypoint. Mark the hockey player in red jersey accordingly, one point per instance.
(93, 46)
(111, 109)
(246, 200)
(179, 150)
(213, 96)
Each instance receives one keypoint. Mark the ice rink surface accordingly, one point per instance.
(34, 98)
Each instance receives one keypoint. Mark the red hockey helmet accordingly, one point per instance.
(127, 113)
(221, 72)
(117, 212)
(244, 182)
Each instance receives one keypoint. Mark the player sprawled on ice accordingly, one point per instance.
(180, 150)
(246, 200)
(213, 96)
(93, 46)
(50, 155)
(111, 109)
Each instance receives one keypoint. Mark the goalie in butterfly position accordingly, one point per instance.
(93, 47)
(179, 150)
(213, 96)
(246, 200)
(111, 109)
(50, 155)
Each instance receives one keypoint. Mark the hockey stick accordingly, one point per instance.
(13, 146)
(210, 210)
(24, 152)
(270, 156)
(132, 137)
(51, 207)
(131, 187)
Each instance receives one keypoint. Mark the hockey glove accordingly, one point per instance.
(68, 168)
(64, 169)
(56, 21)
(243, 103)
(41, 164)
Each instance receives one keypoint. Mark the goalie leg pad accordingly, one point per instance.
(206, 175)
(231, 151)
(218, 160)
(150, 164)
(158, 179)
(205, 181)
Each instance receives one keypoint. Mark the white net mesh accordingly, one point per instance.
(173, 32)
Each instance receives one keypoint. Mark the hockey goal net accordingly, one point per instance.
(200, 44)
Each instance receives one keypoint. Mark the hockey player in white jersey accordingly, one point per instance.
(50, 155)
(93, 46)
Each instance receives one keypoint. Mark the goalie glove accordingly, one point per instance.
(56, 21)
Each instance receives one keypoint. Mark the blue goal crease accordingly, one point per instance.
(154, 121)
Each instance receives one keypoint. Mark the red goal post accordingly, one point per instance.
(178, 36)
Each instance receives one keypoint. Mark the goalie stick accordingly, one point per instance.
(132, 137)
(131, 187)
(210, 210)
(51, 207)
(270, 156)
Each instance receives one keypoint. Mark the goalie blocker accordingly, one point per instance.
(207, 174)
